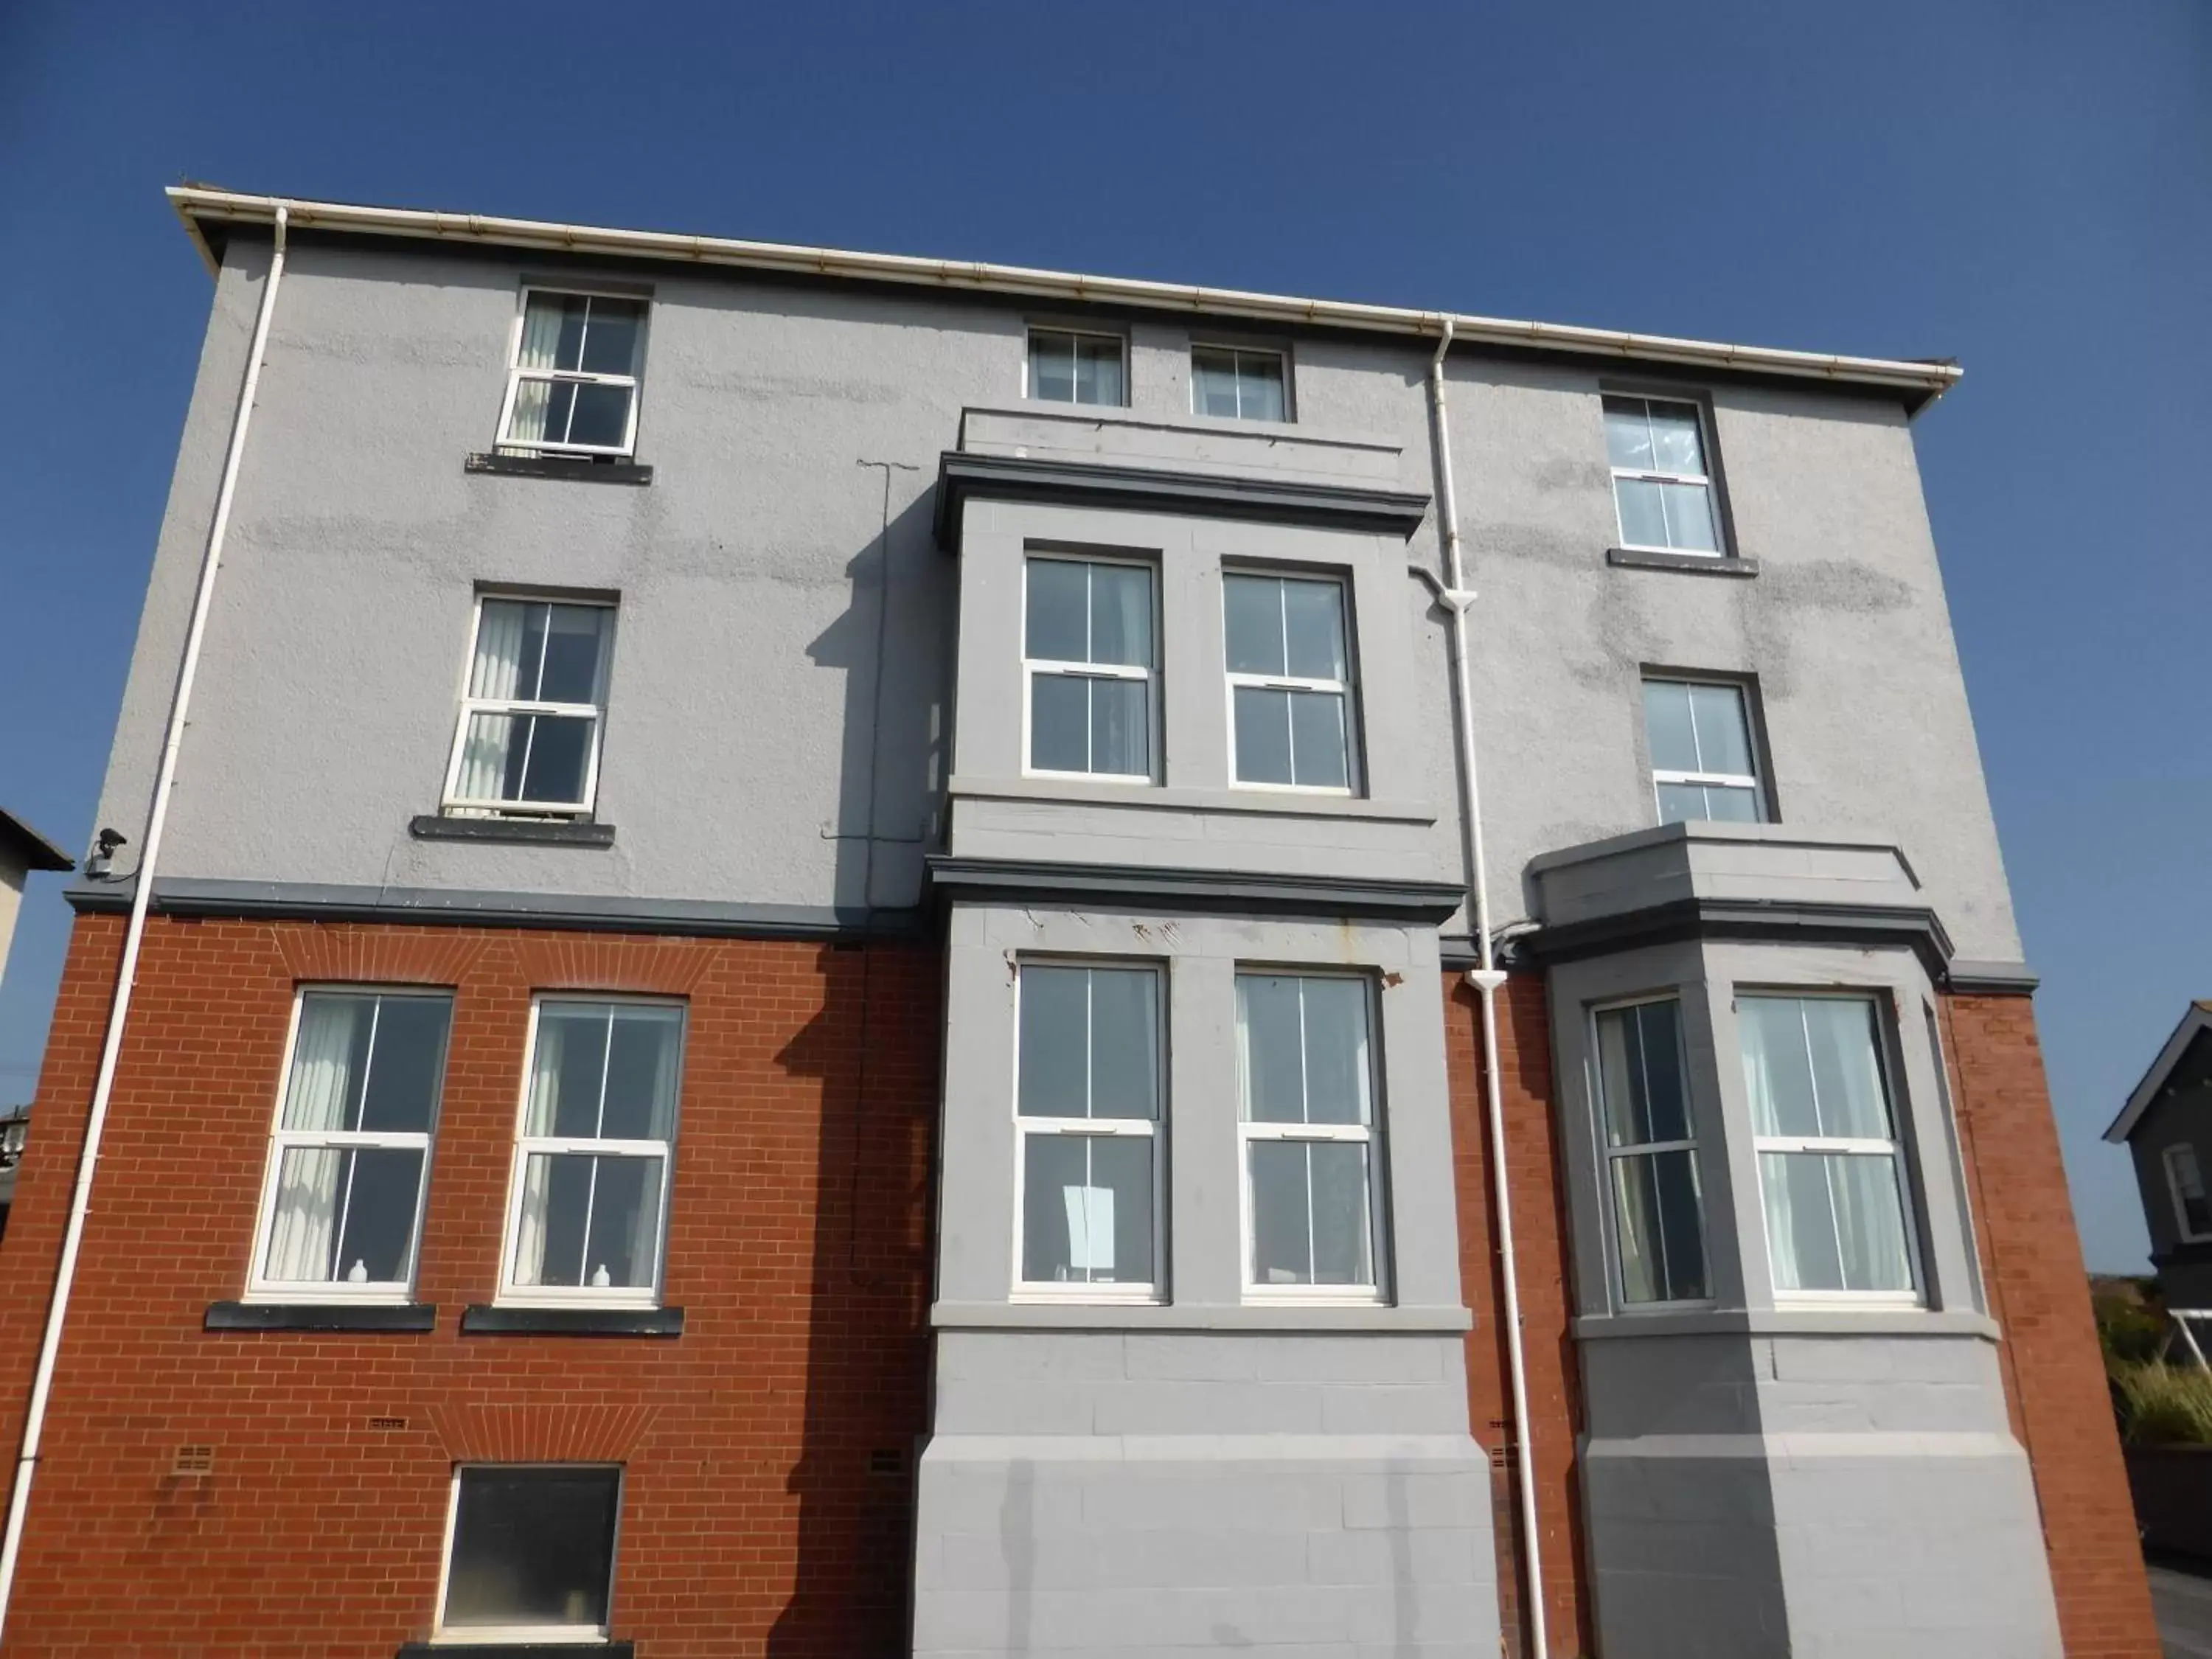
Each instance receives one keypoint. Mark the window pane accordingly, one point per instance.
(1252, 609)
(532, 1546)
(1681, 1231)
(1643, 516)
(1627, 434)
(1052, 366)
(1338, 1075)
(1319, 757)
(1086, 1210)
(589, 1220)
(409, 1060)
(1121, 615)
(1777, 1072)
(1120, 1171)
(1097, 371)
(573, 635)
(1260, 385)
(1726, 806)
(1273, 1048)
(1682, 803)
(330, 1055)
(610, 342)
(573, 309)
(1212, 381)
(602, 416)
(1263, 736)
(1343, 1234)
(1121, 728)
(1667, 720)
(1059, 610)
(1834, 1221)
(567, 1069)
(1124, 1066)
(1846, 1074)
(1800, 1236)
(1675, 444)
(377, 1198)
(1662, 1253)
(560, 410)
(1724, 739)
(644, 1063)
(1689, 518)
(543, 756)
(1641, 1074)
(1060, 723)
(1282, 1236)
(303, 1229)
(1054, 1043)
(507, 637)
(1313, 622)
(1870, 1223)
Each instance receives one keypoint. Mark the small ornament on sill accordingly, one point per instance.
(601, 1279)
(358, 1273)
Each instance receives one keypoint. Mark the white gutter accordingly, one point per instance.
(119, 1012)
(1459, 599)
(194, 202)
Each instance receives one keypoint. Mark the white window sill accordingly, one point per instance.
(1891, 1319)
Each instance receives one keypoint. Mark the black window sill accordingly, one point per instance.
(1702, 564)
(513, 1650)
(320, 1316)
(564, 832)
(578, 468)
(481, 1319)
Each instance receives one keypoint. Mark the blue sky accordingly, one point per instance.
(2022, 186)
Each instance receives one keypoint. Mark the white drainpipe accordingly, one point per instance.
(1459, 599)
(119, 1012)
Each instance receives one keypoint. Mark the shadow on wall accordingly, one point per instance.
(874, 1047)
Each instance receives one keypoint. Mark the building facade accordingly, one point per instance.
(816, 922)
(2166, 1126)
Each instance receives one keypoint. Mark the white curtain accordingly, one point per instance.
(495, 672)
(541, 340)
(1090, 1229)
(315, 1098)
(538, 1172)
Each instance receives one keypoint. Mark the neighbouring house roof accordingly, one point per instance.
(30, 848)
(2194, 1025)
(206, 209)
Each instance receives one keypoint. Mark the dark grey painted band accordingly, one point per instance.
(470, 907)
(1233, 892)
(516, 1649)
(318, 1317)
(1007, 477)
(481, 1319)
(1994, 979)
(431, 826)
(1702, 564)
(573, 467)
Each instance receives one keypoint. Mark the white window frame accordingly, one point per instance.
(1347, 687)
(1029, 393)
(2173, 1189)
(1704, 481)
(451, 802)
(1032, 1290)
(1895, 1149)
(516, 374)
(443, 1634)
(1608, 1154)
(1239, 353)
(1032, 668)
(628, 1296)
(1751, 779)
(386, 1292)
(1359, 1134)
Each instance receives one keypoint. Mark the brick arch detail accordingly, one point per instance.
(373, 955)
(573, 962)
(540, 1433)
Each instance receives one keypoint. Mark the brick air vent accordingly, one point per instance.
(886, 1463)
(193, 1461)
(387, 1423)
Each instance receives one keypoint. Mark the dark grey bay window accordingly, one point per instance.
(1310, 1134)
(1090, 666)
(1070, 368)
(1702, 762)
(342, 1204)
(1291, 683)
(528, 742)
(1651, 1154)
(572, 389)
(1089, 1084)
(532, 1552)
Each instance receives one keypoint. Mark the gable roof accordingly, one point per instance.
(2194, 1024)
(19, 841)
(206, 210)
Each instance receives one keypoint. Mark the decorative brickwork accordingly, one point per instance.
(768, 1509)
(2039, 1292)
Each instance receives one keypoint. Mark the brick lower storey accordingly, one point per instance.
(769, 1504)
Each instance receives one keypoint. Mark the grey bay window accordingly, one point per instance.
(1651, 1154)
(1090, 662)
(588, 1210)
(528, 742)
(2184, 1181)
(1238, 383)
(530, 1552)
(1066, 366)
(572, 389)
(1087, 1108)
(1702, 764)
(1291, 683)
(1830, 1177)
(351, 1149)
(1662, 488)
(1309, 1134)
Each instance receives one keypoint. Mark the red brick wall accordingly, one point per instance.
(1539, 1232)
(2039, 1292)
(797, 1247)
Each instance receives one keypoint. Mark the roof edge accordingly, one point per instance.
(33, 848)
(2198, 1019)
(1915, 382)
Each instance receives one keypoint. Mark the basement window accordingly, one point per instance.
(530, 1552)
